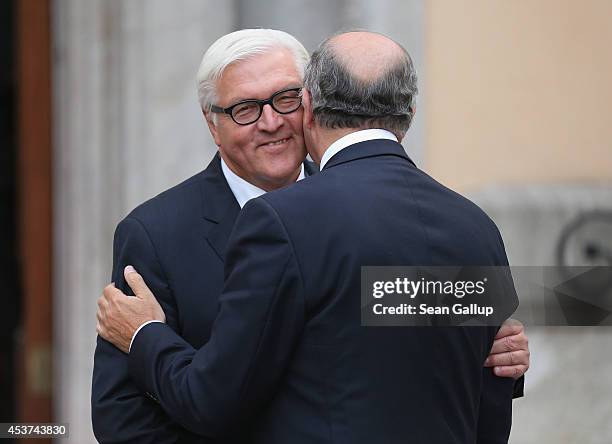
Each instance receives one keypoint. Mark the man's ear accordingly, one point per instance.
(308, 117)
(212, 127)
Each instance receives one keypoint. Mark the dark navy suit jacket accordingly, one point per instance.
(287, 347)
(177, 241)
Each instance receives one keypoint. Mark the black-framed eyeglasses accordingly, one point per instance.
(249, 111)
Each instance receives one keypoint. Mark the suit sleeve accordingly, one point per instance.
(121, 412)
(260, 319)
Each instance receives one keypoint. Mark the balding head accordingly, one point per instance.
(366, 55)
(362, 80)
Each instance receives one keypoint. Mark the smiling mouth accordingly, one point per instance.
(276, 142)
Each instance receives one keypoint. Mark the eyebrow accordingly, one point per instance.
(235, 100)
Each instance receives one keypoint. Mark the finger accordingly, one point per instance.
(110, 291)
(515, 371)
(99, 322)
(136, 282)
(510, 343)
(100, 317)
(102, 303)
(520, 357)
(510, 327)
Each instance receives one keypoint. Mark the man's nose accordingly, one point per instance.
(270, 120)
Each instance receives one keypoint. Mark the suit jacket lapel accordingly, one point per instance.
(219, 207)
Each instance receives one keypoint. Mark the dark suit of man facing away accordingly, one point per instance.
(288, 335)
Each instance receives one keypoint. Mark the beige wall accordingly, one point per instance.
(518, 91)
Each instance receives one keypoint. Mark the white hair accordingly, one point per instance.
(242, 45)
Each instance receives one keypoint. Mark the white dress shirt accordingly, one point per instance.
(353, 138)
(243, 192)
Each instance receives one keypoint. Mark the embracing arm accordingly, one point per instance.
(121, 412)
(509, 358)
(260, 319)
(509, 355)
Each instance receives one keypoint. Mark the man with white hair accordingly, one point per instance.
(177, 240)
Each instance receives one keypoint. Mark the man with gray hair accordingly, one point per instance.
(287, 355)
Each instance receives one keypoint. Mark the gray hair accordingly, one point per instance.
(341, 100)
(242, 45)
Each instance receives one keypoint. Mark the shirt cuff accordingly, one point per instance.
(138, 329)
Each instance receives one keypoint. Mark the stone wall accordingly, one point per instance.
(568, 387)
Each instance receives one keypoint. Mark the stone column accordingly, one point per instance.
(126, 126)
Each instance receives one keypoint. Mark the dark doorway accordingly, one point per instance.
(25, 212)
(9, 281)
(32, 38)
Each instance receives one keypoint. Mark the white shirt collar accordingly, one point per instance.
(244, 191)
(353, 138)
